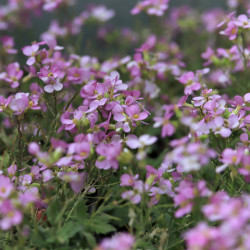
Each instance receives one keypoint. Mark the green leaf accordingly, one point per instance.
(81, 210)
(37, 239)
(90, 239)
(3, 145)
(53, 211)
(99, 225)
(101, 228)
(122, 214)
(69, 230)
(5, 158)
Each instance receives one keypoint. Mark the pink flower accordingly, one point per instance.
(149, 44)
(118, 113)
(64, 161)
(29, 196)
(201, 237)
(133, 112)
(33, 148)
(152, 7)
(25, 179)
(184, 199)
(132, 195)
(155, 173)
(240, 103)
(68, 123)
(13, 74)
(12, 170)
(231, 156)
(4, 102)
(51, 5)
(207, 55)
(78, 75)
(99, 98)
(82, 150)
(31, 51)
(138, 187)
(114, 80)
(121, 241)
(101, 13)
(133, 142)
(47, 175)
(110, 152)
(244, 137)
(200, 100)
(11, 216)
(186, 192)
(215, 105)
(50, 76)
(247, 97)
(19, 103)
(158, 8)
(6, 186)
(168, 128)
(215, 209)
(77, 181)
(8, 44)
(231, 31)
(128, 180)
(189, 79)
(233, 121)
(35, 170)
(52, 44)
(217, 126)
(242, 21)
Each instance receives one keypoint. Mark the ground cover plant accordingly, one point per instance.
(131, 138)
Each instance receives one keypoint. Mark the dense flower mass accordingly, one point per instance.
(125, 138)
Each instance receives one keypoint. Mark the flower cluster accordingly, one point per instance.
(121, 241)
(154, 186)
(231, 233)
(125, 138)
(12, 202)
(152, 7)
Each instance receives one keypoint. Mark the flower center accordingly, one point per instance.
(82, 154)
(11, 214)
(233, 31)
(99, 97)
(31, 104)
(165, 122)
(13, 78)
(234, 159)
(3, 190)
(136, 116)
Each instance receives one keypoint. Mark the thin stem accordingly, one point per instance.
(243, 51)
(54, 122)
(55, 102)
(72, 99)
(19, 144)
(80, 197)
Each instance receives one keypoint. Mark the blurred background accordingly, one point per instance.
(122, 8)
(122, 19)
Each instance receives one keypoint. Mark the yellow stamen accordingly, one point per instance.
(82, 154)
(136, 116)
